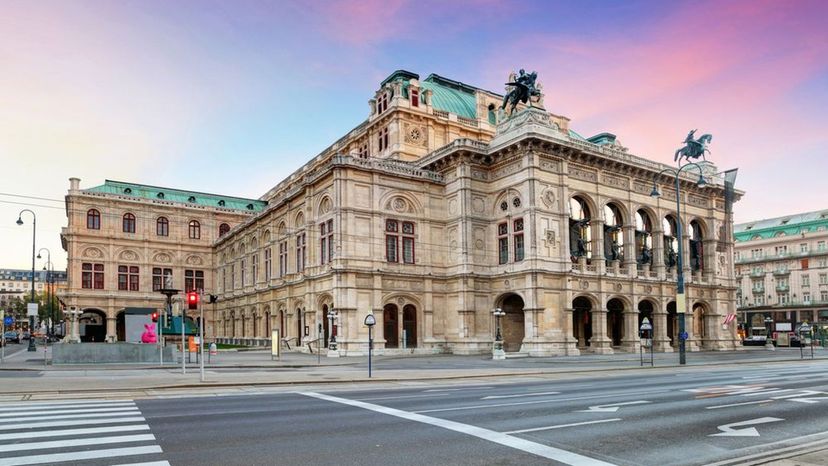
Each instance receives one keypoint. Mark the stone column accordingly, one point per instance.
(569, 333)
(630, 254)
(661, 342)
(692, 343)
(629, 340)
(598, 245)
(710, 264)
(600, 343)
(111, 330)
(658, 254)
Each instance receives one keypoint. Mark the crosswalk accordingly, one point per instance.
(105, 432)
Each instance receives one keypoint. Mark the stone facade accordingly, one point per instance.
(782, 270)
(438, 209)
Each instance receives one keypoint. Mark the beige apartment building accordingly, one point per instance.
(436, 210)
(782, 271)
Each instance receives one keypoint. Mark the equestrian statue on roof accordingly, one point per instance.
(693, 148)
(523, 88)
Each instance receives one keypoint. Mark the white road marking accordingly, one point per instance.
(537, 449)
(790, 444)
(432, 395)
(804, 396)
(75, 442)
(518, 403)
(65, 406)
(41, 404)
(456, 389)
(739, 404)
(65, 432)
(727, 430)
(611, 407)
(125, 412)
(150, 463)
(768, 392)
(81, 422)
(78, 455)
(492, 397)
(69, 411)
(561, 426)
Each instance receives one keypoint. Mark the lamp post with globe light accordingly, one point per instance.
(370, 321)
(32, 299)
(497, 348)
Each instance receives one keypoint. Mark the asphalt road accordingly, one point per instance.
(698, 415)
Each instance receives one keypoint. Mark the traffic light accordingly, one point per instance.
(192, 300)
(155, 316)
(212, 299)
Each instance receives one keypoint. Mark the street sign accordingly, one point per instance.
(31, 309)
(646, 325)
(8, 321)
(683, 335)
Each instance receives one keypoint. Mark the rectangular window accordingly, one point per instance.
(781, 250)
(806, 298)
(193, 280)
(783, 298)
(255, 266)
(415, 97)
(243, 271)
(756, 253)
(97, 275)
(503, 243)
(382, 139)
(161, 278)
(300, 252)
(738, 255)
(408, 242)
(233, 276)
(803, 247)
(806, 280)
(267, 254)
(823, 296)
(820, 245)
(823, 279)
(127, 278)
(326, 241)
(760, 300)
(283, 258)
(518, 239)
(86, 275)
(392, 229)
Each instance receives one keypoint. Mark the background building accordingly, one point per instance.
(429, 214)
(782, 270)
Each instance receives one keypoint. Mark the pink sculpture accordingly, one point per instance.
(149, 334)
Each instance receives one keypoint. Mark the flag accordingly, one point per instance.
(729, 318)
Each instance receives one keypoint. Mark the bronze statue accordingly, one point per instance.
(646, 256)
(693, 148)
(523, 88)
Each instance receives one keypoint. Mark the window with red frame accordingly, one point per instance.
(93, 219)
(129, 223)
(162, 226)
(326, 241)
(193, 280)
(517, 239)
(503, 243)
(128, 278)
(92, 276)
(408, 242)
(415, 97)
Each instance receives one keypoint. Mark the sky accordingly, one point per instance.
(231, 97)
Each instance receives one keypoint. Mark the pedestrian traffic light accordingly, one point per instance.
(155, 316)
(212, 299)
(192, 300)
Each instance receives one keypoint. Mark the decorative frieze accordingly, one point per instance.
(616, 181)
(582, 173)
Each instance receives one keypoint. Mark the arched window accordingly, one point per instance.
(93, 219)
(129, 223)
(669, 225)
(195, 229)
(224, 229)
(162, 226)
(580, 233)
(613, 233)
(643, 238)
(696, 246)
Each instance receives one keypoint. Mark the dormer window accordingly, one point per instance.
(221, 203)
(249, 206)
(127, 190)
(160, 195)
(382, 103)
(191, 199)
(415, 97)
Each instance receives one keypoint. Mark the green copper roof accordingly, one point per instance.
(575, 135)
(788, 225)
(451, 96)
(176, 195)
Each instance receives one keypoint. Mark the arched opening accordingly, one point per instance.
(643, 238)
(580, 233)
(410, 325)
(255, 318)
(582, 320)
(696, 246)
(120, 326)
(282, 332)
(232, 324)
(326, 331)
(669, 226)
(299, 332)
(512, 324)
(613, 233)
(92, 324)
(268, 324)
(699, 313)
(390, 320)
(672, 323)
(645, 310)
(615, 321)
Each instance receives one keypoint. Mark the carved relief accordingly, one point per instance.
(582, 173)
(584, 285)
(452, 206)
(93, 253)
(325, 206)
(549, 165)
(479, 175)
(548, 197)
(398, 204)
(128, 255)
(415, 135)
(194, 260)
(507, 170)
(648, 289)
(162, 258)
(478, 205)
(616, 181)
(697, 200)
(478, 244)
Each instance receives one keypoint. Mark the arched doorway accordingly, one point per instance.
(410, 325)
(615, 321)
(582, 320)
(672, 323)
(326, 332)
(646, 309)
(390, 321)
(92, 323)
(698, 321)
(512, 324)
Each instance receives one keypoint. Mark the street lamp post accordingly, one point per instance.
(681, 303)
(49, 285)
(768, 339)
(497, 348)
(32, 300)
(370, 321)
(332, 347)
(169, 292)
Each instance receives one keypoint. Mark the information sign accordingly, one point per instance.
(31, 309)
(274, 344)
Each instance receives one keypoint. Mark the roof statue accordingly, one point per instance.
(693, 148)
(523, 90)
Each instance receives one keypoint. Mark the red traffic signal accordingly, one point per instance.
(155, 316)
(192, 300)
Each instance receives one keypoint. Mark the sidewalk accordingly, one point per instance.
(24, 374)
